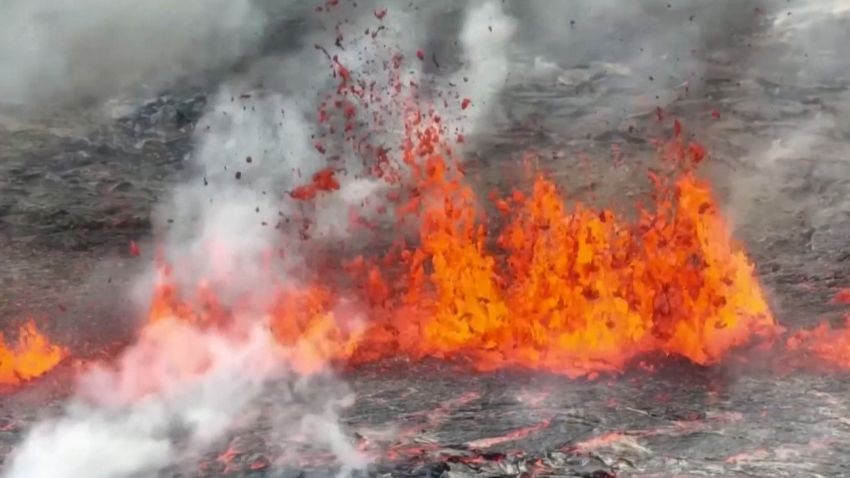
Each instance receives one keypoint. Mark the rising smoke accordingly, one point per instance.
(164, 402)
(56, 52)
(125, 417)
(793, 96)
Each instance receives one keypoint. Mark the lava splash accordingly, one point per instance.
(30, 357)
(825, 343)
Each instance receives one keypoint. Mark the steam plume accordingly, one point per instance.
(124, 419)
(55, 51)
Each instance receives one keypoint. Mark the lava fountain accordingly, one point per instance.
(568, 290)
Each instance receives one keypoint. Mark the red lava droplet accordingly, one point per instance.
(697, 153)
(380, 13)
(133, 249)
(464, 104)
(843, 296)
(420, 54)
(715, 114)
(324, 180)
(677, 128)
(260, 463)
(659, 113)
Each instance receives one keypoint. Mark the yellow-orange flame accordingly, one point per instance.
(582, 290)
(567, 290)
(32, 356)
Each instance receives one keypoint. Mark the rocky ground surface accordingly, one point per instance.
(76, 188)
(677, 420)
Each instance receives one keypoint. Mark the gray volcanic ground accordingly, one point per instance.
(98, 128)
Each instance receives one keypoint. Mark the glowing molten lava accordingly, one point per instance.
(576, 291)
(825, 343)
(565, 289)
(32, 356)
(830, 345)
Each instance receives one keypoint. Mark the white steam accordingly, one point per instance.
(795, 96)
(169, 398)
(249, 152)
(486, 37)
(125, 419)
(57, 51)
(276, 128)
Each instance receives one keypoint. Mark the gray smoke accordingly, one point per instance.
(53, 51)
(163, 403)
(257, 144)
(794, 169)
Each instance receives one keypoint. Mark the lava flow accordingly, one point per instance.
(572, 291)
(32, 356)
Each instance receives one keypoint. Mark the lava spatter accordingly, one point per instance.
(826, 344)
(30, 357)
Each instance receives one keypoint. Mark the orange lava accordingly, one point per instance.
(825, 343)
(513, 435)
(570, 290)
(32, 356)
(831, 345)
(322, 181)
